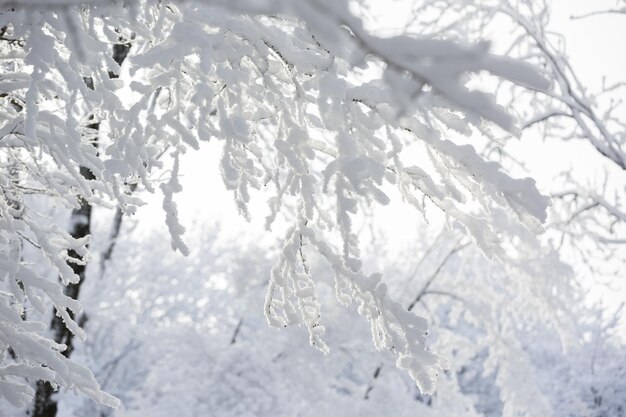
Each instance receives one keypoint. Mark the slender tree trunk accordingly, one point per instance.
(115, 231)
(80, 226)
(44, 405)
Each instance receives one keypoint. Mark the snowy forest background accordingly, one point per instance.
(306, 207)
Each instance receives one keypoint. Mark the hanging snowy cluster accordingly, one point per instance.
(309, 106)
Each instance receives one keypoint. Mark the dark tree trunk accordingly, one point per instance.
(44, 404)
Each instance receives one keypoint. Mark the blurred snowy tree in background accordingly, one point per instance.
(317, 109)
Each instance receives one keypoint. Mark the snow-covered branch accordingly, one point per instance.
(281, 85)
